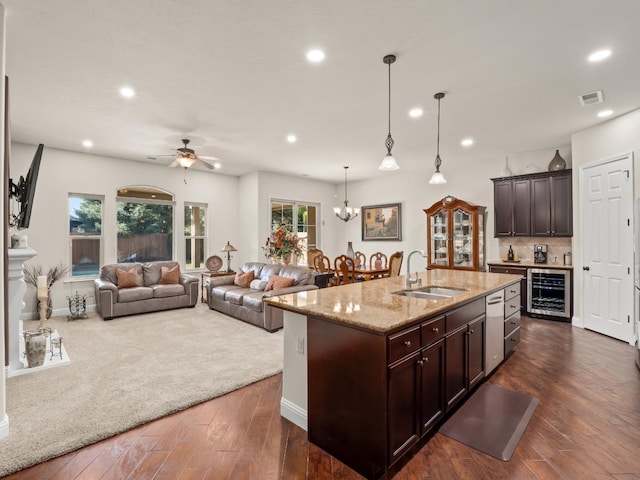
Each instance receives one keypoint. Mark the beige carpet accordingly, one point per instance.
(128, 371)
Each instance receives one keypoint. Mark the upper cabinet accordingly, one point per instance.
(538, 205)
(456, 235)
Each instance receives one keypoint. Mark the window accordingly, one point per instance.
(145, 224)
(304, 223)
(85, 234)
(195, 233)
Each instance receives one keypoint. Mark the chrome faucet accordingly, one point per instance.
(410, 281)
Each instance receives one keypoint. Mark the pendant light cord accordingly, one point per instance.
(389, 117)
(346, 202)
(438, 137)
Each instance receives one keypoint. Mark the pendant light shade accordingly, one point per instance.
(346, 213)
(437, 177)
(388, 162)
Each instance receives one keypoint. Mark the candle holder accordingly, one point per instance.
(43, 294)
(56, 347)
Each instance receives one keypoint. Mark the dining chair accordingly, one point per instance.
(345, 270)
(322, 264)
(378, 260)
(395, 263)
(361, 259)
(312, 253)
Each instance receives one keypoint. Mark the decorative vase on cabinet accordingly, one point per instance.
(557, 162)
(456, 235)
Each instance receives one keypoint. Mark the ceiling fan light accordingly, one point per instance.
(185, 161)
(388, 164)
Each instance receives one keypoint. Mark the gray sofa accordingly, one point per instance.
(151, 296)
(246, 303)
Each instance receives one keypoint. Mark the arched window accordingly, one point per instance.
(145, 224)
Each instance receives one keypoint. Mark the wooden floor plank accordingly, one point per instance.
(586, 426)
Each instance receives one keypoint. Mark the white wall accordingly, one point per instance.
(609, 139)
(62, 172)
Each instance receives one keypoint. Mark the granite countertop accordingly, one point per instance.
(372, 305)
(528, 264)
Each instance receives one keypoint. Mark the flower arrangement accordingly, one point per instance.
(282, 242)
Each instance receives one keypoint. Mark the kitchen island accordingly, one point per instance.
(369, 372)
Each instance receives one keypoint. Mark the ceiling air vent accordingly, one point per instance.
(591, 98)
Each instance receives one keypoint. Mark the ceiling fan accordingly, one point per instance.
(186, 157)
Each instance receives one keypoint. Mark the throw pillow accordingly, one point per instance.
(244, 279)
(258, 284)
(127, 278)
(276, 281)
(170, 276)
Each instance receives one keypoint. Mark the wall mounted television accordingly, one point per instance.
(24, 191)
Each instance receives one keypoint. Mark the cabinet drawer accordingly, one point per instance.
(511, 291)
(432, 330)
(511, 323)
(512, 270)
(512, 306)
(511, 341)
(464, 314)
(404, 343)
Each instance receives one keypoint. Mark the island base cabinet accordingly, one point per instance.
(464, 360)
(416, 398)
(347, 394)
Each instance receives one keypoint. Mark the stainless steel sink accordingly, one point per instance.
(431, 292)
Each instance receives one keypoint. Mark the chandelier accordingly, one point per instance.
(346, 213)
(388, 162)
(437, 177)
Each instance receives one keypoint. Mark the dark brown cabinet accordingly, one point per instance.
(552, 213)
(512, 207)
(538, 204)
(404, 430)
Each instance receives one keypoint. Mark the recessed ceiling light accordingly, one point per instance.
(467, 142)
(599, 55)
(127, 92)
(605, 113)
(315, 56)
(292, 139)
(415, 112)
(87, 143)
(217, 165)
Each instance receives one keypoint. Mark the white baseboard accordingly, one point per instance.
(56, 312)
(293, 413)
(577, 322)
(4, 427)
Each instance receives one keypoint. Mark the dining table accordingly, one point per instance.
(369, 273)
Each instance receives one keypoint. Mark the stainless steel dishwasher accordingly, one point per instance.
(494, 339)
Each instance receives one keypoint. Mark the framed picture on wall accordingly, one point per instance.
(382, 222)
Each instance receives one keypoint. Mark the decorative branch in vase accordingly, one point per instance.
(55, 273)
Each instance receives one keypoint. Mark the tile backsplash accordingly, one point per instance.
(523, 247)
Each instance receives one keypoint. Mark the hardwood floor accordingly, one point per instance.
(586, 426)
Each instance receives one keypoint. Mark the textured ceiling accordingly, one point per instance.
(232, 76)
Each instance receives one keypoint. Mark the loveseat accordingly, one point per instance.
(242, 298)
(120, 291)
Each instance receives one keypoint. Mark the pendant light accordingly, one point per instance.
(388, 162)
(346, 212)
(437, 177)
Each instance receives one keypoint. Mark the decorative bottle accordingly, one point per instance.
(350, 252)
(510, 256)
(507, 171)
(557, 162)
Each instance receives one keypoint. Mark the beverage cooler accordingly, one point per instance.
(549, 292)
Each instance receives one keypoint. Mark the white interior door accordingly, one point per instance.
(607, 247)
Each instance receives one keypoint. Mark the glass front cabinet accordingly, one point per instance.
(456, 235)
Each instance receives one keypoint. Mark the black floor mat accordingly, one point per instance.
(492, 420)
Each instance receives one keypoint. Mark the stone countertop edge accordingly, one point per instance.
(373, 306)
(505, 263)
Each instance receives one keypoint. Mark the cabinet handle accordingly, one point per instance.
(425, 359)
(420, 362)
(513, 306)
(407, 343)
(513, 340)
(435, 329)
(470, 332)
(513, 322)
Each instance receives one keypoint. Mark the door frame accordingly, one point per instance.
(577, 265)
